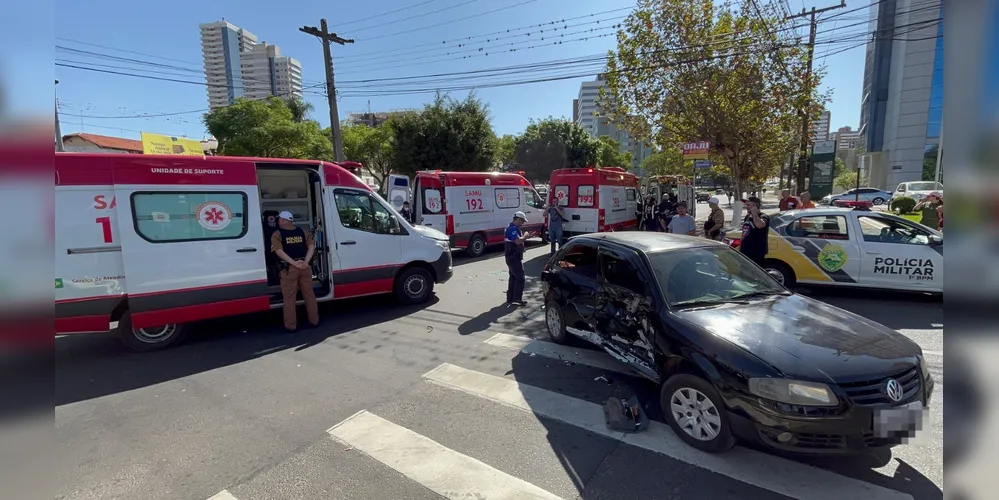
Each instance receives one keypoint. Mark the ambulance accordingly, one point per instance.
(661, 185)
(595, 199)
(472, 208)
(152, 243)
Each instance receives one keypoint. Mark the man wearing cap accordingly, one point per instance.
(755, 231)
(294, 247)
(514, 252)
(716, 219)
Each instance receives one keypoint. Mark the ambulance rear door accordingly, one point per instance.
(398, 190)
(192, 241)
(428, 201)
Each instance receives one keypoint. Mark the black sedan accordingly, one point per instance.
(737, 355)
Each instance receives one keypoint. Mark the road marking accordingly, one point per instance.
(933, 353)
(596, 359)
(436, 467)
(759, 469)
(223, 495)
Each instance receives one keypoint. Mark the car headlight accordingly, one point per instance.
(443, 244)
(795, 392)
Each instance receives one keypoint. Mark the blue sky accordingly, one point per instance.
(170, 31)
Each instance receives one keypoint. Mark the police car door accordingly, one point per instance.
(398, 190)
(191, 237)
(899, 254)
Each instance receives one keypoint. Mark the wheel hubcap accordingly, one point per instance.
(477, 246)
(554, 322)
(695, 414)
(777, 275)
(154, 335)
(414, 286)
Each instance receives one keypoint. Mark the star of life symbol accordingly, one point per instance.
(214, 216)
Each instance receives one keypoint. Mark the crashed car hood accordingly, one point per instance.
(807, 339)
(430, 232)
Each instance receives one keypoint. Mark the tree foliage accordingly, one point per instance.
(505, 149)
(610, 154)
(551, 144)
(446, 135)
(266, 128)
(370, 146)
(667, 161)
(690, 70)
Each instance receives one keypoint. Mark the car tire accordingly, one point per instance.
(878, 201)
(149, 339)
(695, 398)
(414, 286)
(476, 246)
(555, 321)
(773, 267)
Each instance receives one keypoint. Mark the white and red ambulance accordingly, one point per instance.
(154, 242)
(472, 208)
(595, 199)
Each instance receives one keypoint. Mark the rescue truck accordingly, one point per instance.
(155, 242)
(472, 208)
(661, 185)
(595, 199)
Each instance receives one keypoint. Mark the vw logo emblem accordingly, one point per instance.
(894, 390)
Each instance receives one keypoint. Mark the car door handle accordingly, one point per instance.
(798, 249)
(348, 243)
(873, 253)
(247, 249)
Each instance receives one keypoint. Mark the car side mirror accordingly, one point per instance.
(935, 240)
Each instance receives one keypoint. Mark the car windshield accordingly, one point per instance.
(924, 186)
(710, 275)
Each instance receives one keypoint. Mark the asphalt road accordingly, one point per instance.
(388, 402)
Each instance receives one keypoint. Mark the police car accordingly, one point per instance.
(852, 248)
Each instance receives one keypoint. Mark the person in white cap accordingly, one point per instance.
(295, 248)
(716, 219)
(513, 249)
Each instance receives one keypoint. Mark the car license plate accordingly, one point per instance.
(900, 421)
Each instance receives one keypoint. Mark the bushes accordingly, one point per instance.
(902, 204)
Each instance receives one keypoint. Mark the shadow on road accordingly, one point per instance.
(492, 252)
(88, 366)
(506, 317)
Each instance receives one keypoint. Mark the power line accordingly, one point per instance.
(473, 16)
(389, 23)
(383, 14)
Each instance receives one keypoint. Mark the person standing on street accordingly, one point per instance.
(682, 223)
(513, 248)
(806, 200)
(295, 248)
(716, 220)
(787, 202)
(555, 218)
(928, 209)
(755, 231)
(649, 221)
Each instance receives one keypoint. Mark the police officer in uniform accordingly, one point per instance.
(294, 247)
(513, 247)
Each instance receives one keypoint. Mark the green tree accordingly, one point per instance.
(506, 147)
(446, 135)
(266, 128)
(846, 180)
(690, 70)
(370, 146)
(668, 161)
(299, 108)
(610, 154)
(551, 144)
(839, 168)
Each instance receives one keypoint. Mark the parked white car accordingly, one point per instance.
(875, 196)
(918, 189)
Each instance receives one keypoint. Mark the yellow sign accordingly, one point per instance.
(157, 144)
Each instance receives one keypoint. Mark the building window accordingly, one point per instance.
(173, 217)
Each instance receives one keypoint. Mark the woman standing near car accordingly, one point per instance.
(928, 209)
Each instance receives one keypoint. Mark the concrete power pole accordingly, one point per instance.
(803, 156)
(323, 34)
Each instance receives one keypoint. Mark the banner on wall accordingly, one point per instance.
(158, 144)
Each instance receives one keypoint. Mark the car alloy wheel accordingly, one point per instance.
(695, 414)
(555, 322)
(878, 201)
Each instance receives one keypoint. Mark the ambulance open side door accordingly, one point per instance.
(398, 190)
(191, 239)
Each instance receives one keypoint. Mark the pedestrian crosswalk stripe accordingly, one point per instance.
(223, 495)
(436, 467)
(766, 471)
(596, 359)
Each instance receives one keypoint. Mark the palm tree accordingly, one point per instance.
(300, 109)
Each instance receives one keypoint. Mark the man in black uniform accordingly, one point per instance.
(755, 231)
(295, 248)
(513, 250)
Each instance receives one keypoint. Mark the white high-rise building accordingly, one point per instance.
(586, 104)
(236, 65)
(820, 127)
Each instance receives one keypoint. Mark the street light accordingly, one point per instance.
(210, 145)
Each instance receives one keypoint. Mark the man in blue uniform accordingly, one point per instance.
(514, 253)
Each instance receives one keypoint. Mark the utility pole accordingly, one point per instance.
(805, 118)
(323, 34)
(59, 146)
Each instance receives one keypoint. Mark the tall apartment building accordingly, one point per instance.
(586, 114)
(820, 127)
(586, 104)
(846, 138)
(902, 101)
(236, 65)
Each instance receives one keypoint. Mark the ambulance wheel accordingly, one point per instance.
(149, 339)
(476, 246)
(414, 286)
(780, 272)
